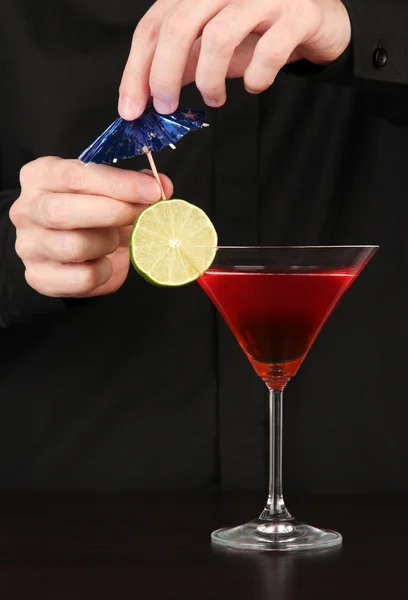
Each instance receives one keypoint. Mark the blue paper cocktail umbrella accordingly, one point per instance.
(149, 133)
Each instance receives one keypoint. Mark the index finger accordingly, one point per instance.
(60, 175)
(181, 28)
(134, 91)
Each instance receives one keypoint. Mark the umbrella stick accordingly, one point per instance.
(154, 169)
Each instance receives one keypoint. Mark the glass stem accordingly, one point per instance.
(275, 507)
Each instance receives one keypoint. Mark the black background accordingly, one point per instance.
(147, 389)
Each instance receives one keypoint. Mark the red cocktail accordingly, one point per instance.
(276, 315)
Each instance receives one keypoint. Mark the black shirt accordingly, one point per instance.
(146, 388)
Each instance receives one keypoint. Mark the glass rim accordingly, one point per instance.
(340, 247)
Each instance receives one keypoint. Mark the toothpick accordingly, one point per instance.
(154, 169)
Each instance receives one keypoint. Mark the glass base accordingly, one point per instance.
(276, 535)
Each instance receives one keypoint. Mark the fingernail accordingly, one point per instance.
(210, 102)
(128, 109)
(163, 107)
(149, 189)
(250, 91)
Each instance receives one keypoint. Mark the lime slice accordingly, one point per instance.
(172, 243)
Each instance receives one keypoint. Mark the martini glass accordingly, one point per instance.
(276, 300)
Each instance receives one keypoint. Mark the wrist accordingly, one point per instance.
(342, 18)
(333, 36)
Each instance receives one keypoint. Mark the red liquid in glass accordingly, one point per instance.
(276, 315)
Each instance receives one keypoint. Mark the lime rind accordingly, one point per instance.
(172, 243)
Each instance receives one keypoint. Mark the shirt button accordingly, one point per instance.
(380, 58)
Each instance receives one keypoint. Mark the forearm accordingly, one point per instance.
(18, 301)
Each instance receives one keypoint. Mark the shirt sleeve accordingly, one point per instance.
(378, 53)
(379, 39)
(376, 61)
(18, 301)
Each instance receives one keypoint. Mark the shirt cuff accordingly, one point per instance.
(378, 53)
(379, 39)
(339, 71)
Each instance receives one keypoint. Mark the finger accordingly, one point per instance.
(181, 27)
(134, 90)
(239, 63)
(219, 40)
(59, 175)
(192, 62)
(58, 280)
(272, 52)
(81, 211)
(124, 235)
(76, 246)
(166, 182)
(242, 57)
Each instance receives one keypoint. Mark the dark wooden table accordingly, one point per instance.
(77, 547)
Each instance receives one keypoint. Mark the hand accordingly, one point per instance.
(175, 33)
(73, 224)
